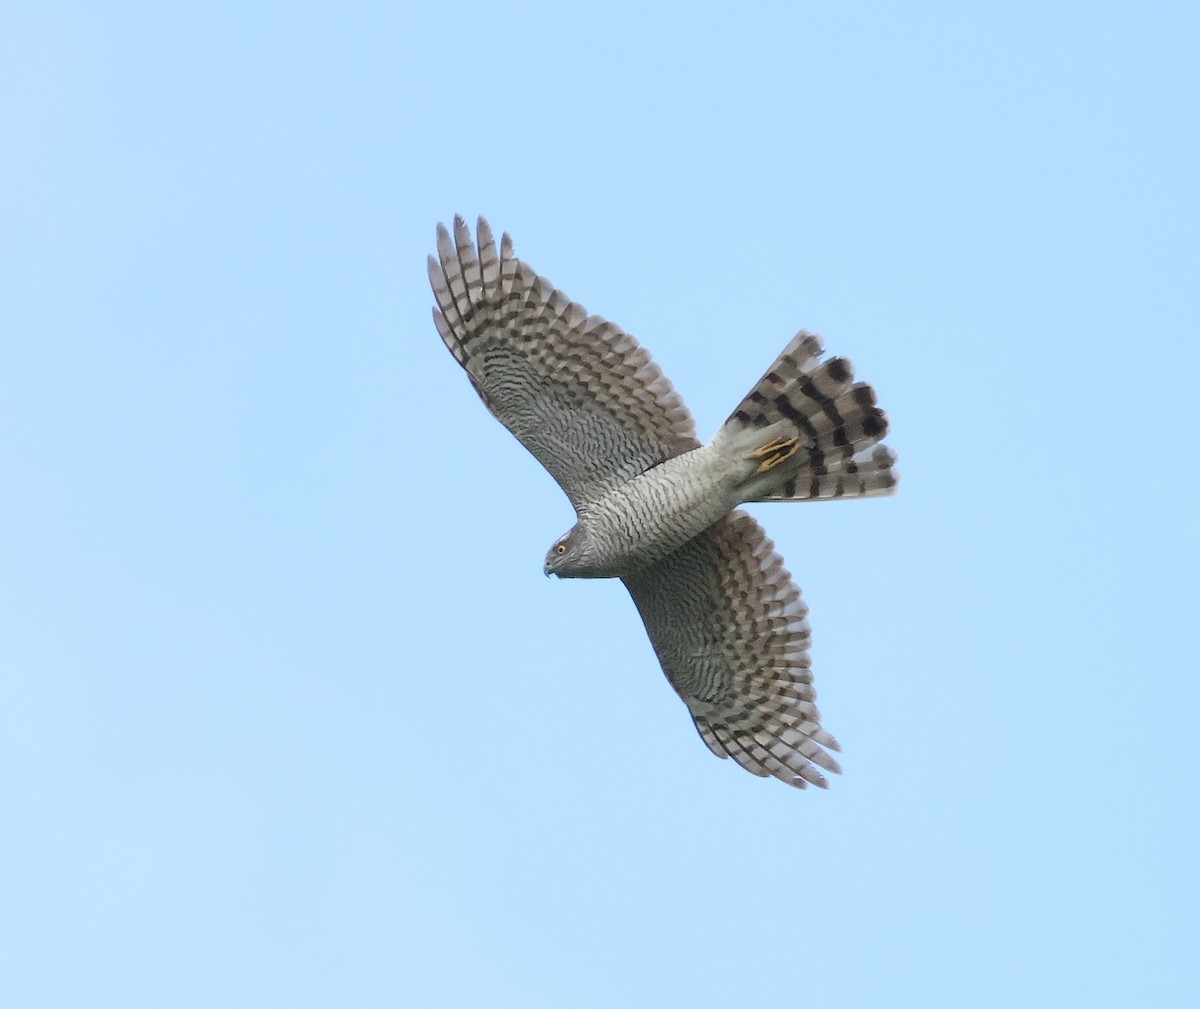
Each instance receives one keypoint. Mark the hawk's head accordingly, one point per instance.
(574, 556)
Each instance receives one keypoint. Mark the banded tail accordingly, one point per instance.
(811, 431)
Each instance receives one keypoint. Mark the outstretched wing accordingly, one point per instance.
(728, 625)
(581, 394)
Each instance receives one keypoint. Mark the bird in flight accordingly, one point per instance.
(658, 509)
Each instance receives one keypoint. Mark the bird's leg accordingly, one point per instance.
(775, 451)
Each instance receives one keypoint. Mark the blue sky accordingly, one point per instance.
(288, 713)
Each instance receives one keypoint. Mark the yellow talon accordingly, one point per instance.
(774, 445)
(774, 452)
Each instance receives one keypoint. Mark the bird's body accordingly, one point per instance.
(655, 508)
(641, 521)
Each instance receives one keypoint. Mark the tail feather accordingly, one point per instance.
(810, 428)
(870, 474)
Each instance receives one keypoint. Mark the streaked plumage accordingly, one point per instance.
(655, 507)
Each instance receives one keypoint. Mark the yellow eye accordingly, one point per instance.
(560, 549)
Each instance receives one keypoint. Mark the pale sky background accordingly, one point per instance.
(289, 715)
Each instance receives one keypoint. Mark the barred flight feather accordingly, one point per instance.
(580, 393)
(730, 629)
